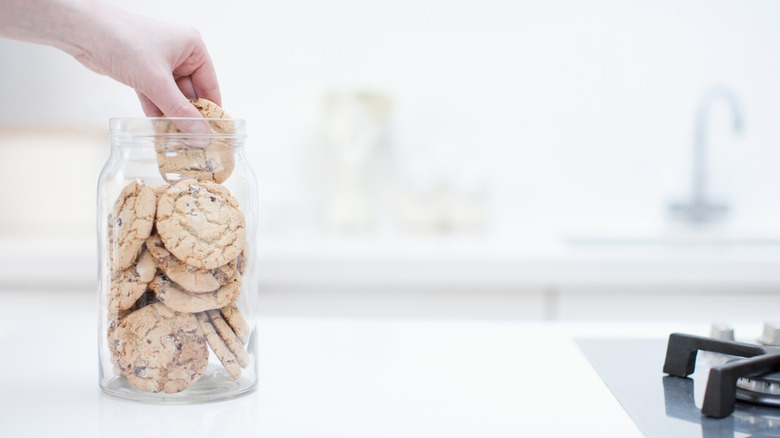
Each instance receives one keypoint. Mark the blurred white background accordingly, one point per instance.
(485, 132)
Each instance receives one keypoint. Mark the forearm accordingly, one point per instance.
(164, 63)
(69, 25)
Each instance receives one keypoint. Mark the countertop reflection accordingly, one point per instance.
(757, 421)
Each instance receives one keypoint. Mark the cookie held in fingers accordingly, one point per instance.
(237, 322)
(160, 350)
(173, 296)
(209, 109)
(189, 278)
(178, 160)
(130, 223)
(218, 346)
(200, 223)
(230, 338)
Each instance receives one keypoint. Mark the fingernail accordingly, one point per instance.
(196, 128)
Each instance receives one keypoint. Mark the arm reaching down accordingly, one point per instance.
(164, 63)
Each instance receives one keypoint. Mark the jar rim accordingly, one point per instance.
(146, 127)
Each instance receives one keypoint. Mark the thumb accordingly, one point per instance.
(172, 103)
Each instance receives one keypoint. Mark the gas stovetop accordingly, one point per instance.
(747, 371)
(664, 405)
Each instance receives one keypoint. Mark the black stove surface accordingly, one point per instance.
(667, 406)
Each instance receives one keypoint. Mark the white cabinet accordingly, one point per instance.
(667, 304)
(447, 279)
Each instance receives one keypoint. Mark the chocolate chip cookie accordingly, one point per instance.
(130, 223)
(128, 285)
(189, 278)
(200, 223)
(182, 301)
(178, 160)
(229, 336)
(159, 349)
(236, 322)
(218, 346)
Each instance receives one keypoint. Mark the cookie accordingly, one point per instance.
(159, 189)
(178, 160)
(115, 317)
(128, 285)
(200, 224)
(130, 223)
(230, 338)
(236, 322)
(182, 301)
(218, 346)
(209, 109)
(159, 349)
(189, 278)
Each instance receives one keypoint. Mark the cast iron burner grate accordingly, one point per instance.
(754, 376)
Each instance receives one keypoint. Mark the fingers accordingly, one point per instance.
(199, 69)
(204, 82)
(185, 86)
(186, 71)
(150, 109)
(170, 101)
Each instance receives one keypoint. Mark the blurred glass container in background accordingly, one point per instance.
(353, 126)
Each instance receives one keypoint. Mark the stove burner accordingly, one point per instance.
(764, 389)
(755, 377)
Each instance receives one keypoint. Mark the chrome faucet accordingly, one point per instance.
(699, 209)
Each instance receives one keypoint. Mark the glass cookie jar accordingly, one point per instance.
(177, 219)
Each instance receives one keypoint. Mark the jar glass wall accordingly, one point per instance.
(177, 219)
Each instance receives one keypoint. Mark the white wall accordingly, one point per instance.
(578, 112)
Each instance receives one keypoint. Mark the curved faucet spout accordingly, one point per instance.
(699, 209)
(699, 193)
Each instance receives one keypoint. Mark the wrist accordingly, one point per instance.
(81, 26)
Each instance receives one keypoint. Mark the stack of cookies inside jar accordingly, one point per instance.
(176, 254)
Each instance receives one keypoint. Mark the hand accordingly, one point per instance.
(164, 63)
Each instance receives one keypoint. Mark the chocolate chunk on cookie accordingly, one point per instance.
(200, 223)
(189, 278)
(159, 349)
(182, 301)
(242, 261)
(131, 223)
(236, 322)
(178, 160)
(130, 284)
(218, 346)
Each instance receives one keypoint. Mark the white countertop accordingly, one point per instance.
(324, 377)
